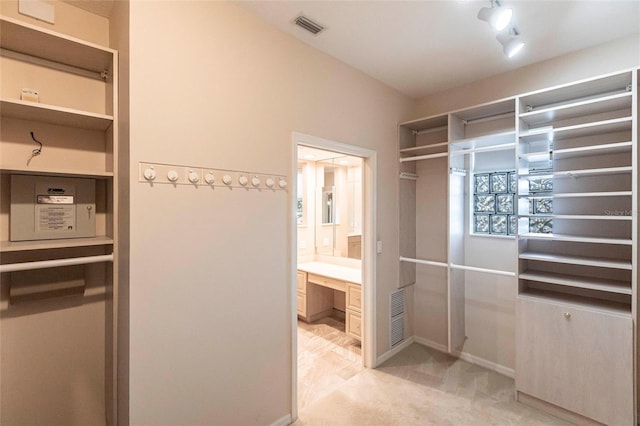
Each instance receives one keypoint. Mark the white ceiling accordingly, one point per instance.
(425, 46)
(422, 47)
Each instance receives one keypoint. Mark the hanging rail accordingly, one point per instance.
(488, 271)
(27, 266)
(423, 262)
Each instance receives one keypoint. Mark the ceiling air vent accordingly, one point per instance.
(308, 24)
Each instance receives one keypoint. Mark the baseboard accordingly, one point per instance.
(431, 344)
(554, 410)
(490, 365)
(391, 353)
(283, 421)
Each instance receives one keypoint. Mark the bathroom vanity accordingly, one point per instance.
(317, 283)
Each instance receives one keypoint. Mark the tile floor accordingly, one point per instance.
(419, 386)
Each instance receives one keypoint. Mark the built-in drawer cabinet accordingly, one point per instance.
(302, 282)
(353, 316)
(302, 294)
(578, 358)
(327, 282)
(353, 324)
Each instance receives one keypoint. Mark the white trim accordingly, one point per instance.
(431, 344)
(369, 171)
(490, 365)
(394, 351)
(283, 421)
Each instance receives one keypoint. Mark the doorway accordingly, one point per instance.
(333, 265)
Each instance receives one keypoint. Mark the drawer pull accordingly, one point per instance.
(567, 315)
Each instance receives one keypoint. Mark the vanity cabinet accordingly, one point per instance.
(353, 314)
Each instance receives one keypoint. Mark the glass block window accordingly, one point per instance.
(494, 201)
(540, 208)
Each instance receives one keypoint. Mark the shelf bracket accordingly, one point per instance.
(104, 75)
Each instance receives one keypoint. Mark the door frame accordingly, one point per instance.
(369, 232)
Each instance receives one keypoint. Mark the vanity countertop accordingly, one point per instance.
(338, 272)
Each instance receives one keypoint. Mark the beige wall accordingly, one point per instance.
(210, 277)
(609, 57)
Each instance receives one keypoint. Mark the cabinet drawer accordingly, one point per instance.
(302, 304)
(353, 324)
(354, 297)
(577, 358)
(302, 281)
(327, 282)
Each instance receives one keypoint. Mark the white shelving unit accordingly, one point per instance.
(581, 138)
(573, 150)
(78, 130)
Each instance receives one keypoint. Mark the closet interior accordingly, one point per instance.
(521, 211)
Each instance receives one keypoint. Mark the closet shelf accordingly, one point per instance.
(583, 151)
(423, 147)
(578, 173)
(598, 284)
(500, 147)
(578, 130)
(605, 306)
(577, 194)
(579, 216)
(599, 262)
(17, 246)
(4, 169)
(52, 114)
(491, 140)
(579, 108)
(21, 37)
(424, 157)
(576, 239)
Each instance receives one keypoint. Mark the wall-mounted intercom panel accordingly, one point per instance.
(45, 207)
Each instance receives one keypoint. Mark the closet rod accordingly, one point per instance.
(431, 130)
(423, 262)
(52, 64)
(488, 271)
(490, 118)
(27, 266)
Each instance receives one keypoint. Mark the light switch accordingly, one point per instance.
(379, 247)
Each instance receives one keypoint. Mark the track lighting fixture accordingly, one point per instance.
(496, 15)
(510, 41)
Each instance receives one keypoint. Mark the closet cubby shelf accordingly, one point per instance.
(583, 107)
(582, 151)
(599, 262)
(579, 216)
(21, 37)
(56, 172)
(597, 284)
(576, 239)
(506, 138)
(16, 246)
(577, 173)
(500, 147)
(572, 301)
(54, 114)
(578, 130)
(578, 194)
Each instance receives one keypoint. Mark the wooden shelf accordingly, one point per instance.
(38, 42)
(489, 142)
(605, 306)
(597, 284)
(599, 262)
(16, 246)
(54, 114)
(582, 107)
(56, 172)
(579, 216)
(579, 130)
(576, 239)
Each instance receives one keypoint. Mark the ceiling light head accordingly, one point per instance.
(511, 42)
(498, 17)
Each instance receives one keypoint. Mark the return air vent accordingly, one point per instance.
(397, 303)
(308, 24)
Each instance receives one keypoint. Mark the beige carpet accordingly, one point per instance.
(421, 386)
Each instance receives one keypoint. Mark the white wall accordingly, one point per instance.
(210, 286)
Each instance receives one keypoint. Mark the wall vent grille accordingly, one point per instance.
(306, 23)
(397, 303)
